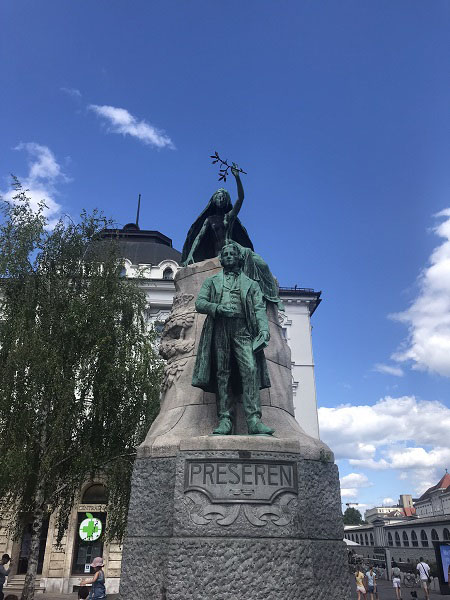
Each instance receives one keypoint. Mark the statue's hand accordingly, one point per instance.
(235, 170)
(266, 335)
(224, 311)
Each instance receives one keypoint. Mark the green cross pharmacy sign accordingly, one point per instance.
(90, 528)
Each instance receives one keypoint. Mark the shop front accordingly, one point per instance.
(62, 567)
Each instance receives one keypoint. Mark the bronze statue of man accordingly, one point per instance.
(235, 332)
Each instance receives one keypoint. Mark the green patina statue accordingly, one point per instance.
(230, 356)
(218, 225)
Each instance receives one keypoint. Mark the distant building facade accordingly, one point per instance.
(409, 529)
(404, 508)
(408, 539)
(435, 501)
(150, 256)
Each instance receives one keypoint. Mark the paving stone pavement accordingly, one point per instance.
(385, 592)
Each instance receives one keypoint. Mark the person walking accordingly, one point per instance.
(396, 582)
(359, 576)
(424, 574)
(371, 582)
(4, 572)
(98, 590)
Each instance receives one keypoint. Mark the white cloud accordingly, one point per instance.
(389, 370)
(355, 432)
(418, 458)
(355, 480)
(121, 121)
(71, 92)
(403, 434)
(351, 484)
(388, 502)
(369, 463)
(428, 317)
(43, 175)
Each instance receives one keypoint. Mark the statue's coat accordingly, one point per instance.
(207, 302)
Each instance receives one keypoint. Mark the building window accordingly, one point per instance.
(168, 273)
(25, 548)
(424, 538)
(95, 494)
(366, 539)
(446, 534)
(397, 539)
(414, 540)
(390, 540)
(405, 539)
(434, 535)
(371, 539)
(85, 551)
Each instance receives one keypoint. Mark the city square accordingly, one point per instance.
(225, 300)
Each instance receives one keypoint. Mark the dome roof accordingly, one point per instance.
(143, 246)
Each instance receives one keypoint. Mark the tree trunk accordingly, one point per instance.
(30, 578)
(38, 519)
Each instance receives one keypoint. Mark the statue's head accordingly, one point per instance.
(230, 256)
(221, 201)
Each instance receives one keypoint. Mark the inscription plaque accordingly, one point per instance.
(244, 481)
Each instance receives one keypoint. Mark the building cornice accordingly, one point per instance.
(297, 295)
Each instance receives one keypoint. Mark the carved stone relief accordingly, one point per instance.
(202, 512)
(173, 341)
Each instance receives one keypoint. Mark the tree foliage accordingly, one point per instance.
(352, 516)
(80, 377)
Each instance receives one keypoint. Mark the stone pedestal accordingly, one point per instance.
(230, 517)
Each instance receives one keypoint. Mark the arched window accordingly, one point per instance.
(353, 537)
(424, 538)
(371, 539)
(390, 540)
(168, 273)
(434, 535)
(414, 540)
(95, 494)
(366, 539)
(405, 539)
(397, 539)
(446, 534)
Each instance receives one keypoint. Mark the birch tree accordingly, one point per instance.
(79, 374)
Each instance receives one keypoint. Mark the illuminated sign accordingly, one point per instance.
(90, 528)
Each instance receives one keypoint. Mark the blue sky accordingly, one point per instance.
(338, 111)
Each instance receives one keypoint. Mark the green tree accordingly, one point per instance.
(352, 516)
(80, 376)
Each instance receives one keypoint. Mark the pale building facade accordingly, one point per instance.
(408, 535)
(436, 500)
(407, 539)
(150, 256)
(404, 508)
(300, 304)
